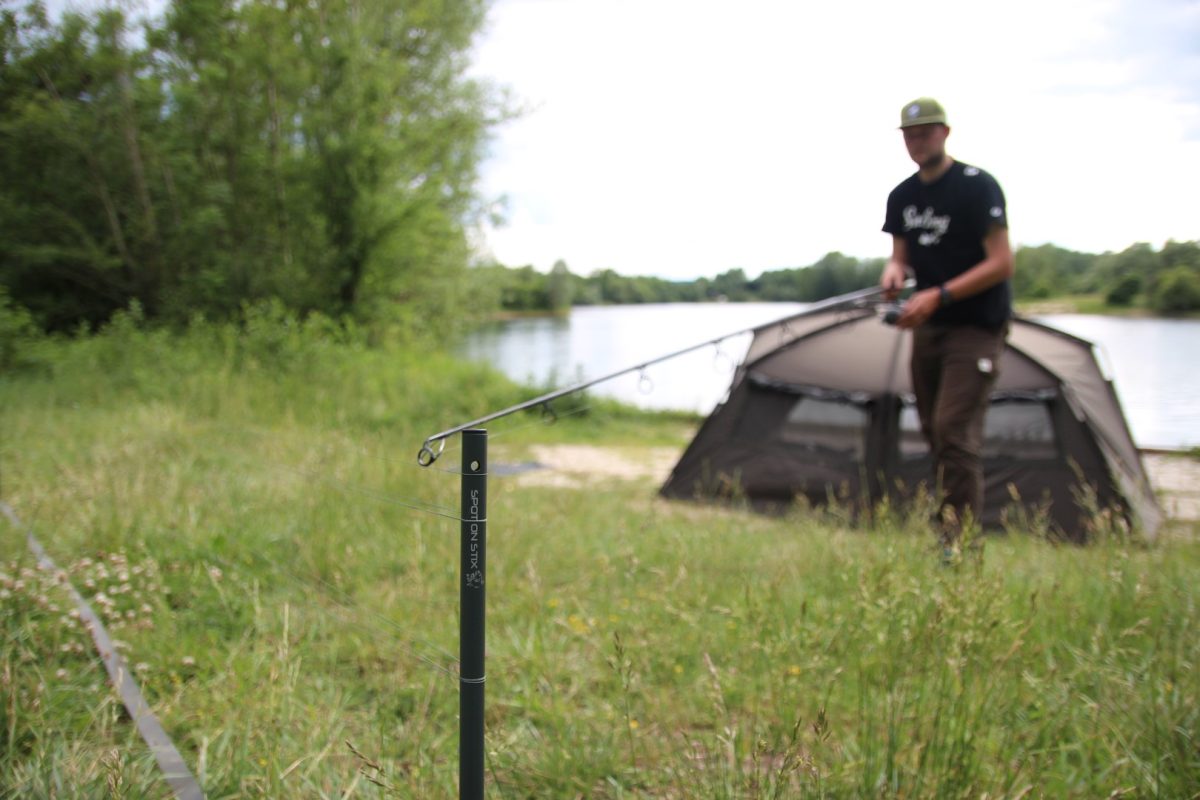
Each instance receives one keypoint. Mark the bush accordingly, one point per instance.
(19, 336)
(1178, 290)
(1124, 291)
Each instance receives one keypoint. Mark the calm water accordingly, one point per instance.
(1154, 362)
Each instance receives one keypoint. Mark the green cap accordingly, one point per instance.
(922, 111)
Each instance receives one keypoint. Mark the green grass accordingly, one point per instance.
(1092, 303)
(251, 509)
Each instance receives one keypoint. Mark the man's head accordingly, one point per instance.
(923, 123)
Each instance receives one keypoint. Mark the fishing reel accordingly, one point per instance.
(890, 313)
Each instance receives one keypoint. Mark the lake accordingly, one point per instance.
(1153, 361)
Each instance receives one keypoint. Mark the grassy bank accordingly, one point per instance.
(1091, 304)
(283, 578)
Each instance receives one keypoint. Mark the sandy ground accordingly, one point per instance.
(1177, 482)
(574, 466)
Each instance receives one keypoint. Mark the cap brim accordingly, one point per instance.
(912, 123)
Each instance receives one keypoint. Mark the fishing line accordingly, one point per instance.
(345, 604)
(349, 444)
(351, 615)
(410, 503)
(371, 494)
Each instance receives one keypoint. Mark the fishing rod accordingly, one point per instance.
(473, 525)
(427, 454)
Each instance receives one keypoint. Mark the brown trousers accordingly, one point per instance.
(953, 370)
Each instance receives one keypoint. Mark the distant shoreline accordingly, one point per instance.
(1067, 304)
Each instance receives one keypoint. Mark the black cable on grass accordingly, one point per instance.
(174, 769)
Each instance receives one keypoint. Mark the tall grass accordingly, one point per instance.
(283, 579)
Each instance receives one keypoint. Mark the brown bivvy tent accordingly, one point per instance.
(822, 407)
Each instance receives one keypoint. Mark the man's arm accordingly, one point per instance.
(997, 266)
(895, 272)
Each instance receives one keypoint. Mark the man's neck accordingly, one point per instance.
(929, 173)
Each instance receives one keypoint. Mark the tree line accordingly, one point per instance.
(526, 289)
(1163, 281)
(322, 156)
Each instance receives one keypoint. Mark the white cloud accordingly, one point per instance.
(686, 138)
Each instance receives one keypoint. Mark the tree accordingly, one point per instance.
(1178, 291)
(74, 229)
(1048, 270)
(560, 288)
(1180, 254)
(1123, 292)
(730, 285)
(325, 154)
(1139, 259)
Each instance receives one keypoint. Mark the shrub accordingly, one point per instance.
(19, 336)
(1178, 290)
(1123, 291)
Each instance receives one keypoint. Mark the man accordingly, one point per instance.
(950, 230)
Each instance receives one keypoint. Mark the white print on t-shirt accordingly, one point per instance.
(935, 226)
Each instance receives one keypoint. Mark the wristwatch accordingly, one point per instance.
(944, 296)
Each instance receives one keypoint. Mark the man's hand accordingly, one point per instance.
(892, 279)
(896, 272)
(920, 308)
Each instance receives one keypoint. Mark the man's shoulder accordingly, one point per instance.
(907, 185)
(972, 173)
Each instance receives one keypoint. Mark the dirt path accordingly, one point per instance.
(1177, 481)
(574, 466)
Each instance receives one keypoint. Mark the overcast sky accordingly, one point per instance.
(682, 138)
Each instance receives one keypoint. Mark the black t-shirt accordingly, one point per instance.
(944, 224)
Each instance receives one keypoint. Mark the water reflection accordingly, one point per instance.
(1153, 363)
